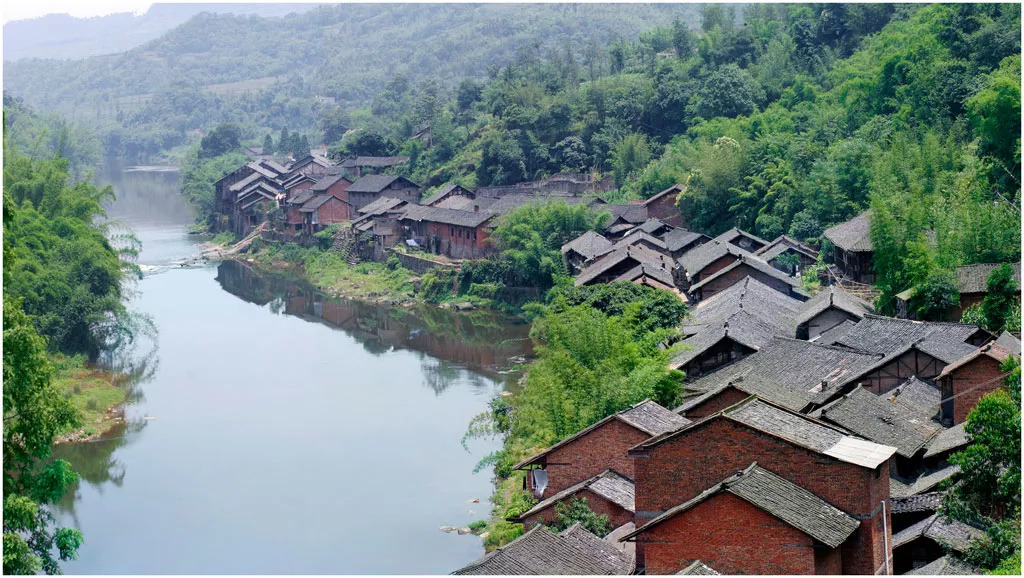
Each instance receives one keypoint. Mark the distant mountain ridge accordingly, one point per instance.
(65, 37)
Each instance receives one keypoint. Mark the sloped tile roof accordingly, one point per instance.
(636, 236)
(381, 205)
(879, 420)
(945, 566)
(922, 483)
(377, 183)
(300, 197)
(989, 350)
(674, 189)
(755, 263)
(252, 178)
(445, 216)
(676, 239)
(439, 194)
(917, 503)
(834, 334)
(950, 533)
(698, 568)
(651, 226)
(974, 278)
(749, 295)
(327, 182)
(609, 484)
(649, 272)
(646, 416)
(590, 245)
(948, 439)
(742, 327)
(695, 260)
(833, 297)
(633, 214)
(315, 203)
(853, 235)
(638, 253)
(780, 245)
(539, 551)
(890, 336)
(917, 396)
(764, 388)
(1008, 342)
(779, 497)
(800, 365)
(735, 233)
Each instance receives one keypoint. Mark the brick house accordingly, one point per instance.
(680, 241)
(629, 262)
(336, 186)
(294, 218)
(371, 187)
(850, 474)
(853, 251)
(751, 522)
(708, 258)
(584, 248)
(572, 552)
(322, 211)
(456, 234)
(743, 267)
(662, 206)
(742, 239)
(967, 380)
(828, 309)
(600, 447)
(608, 493)
(447, 191)
(972, 282)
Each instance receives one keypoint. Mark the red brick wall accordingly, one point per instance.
(333, 211)
(684, 466)
(731, 536)
(725, 398)
(339, 190)
(665, 209)
(617, 515)
(736, 275)
(715, 266)
(601, 449)
(971, 382)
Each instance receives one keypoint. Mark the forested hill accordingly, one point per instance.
(68, 37)
(147, 99)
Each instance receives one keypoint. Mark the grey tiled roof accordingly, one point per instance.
(917, 396)
(764, 388)
(327, 182)
(638, 253)
(880, 420)
(696, 259)
(633, 214)
(796, 428)
(832, 297)
(1008, 342)
(315, 203)
(676, 239)
(647, 416)
(301, 196)
(376, 183)
(853, 235)
(635, 236)
(780, 245)
(945, 566)
(780, 498)
(916, 503)
(974, 278)
(381, 205)
(948, 439)
(834, 334)
(800, 365)
(742, 327)
(539, 551)
(651, 226)
(609, 484)
(890, 336)
(734, 233)
(252, 178)
(751, 296)
(950, 533)
(445, 216)
(755, 263)
(698, 568)
(988, 350)
(644, 270)
(922, 483)
(439, 194)
(590, 244)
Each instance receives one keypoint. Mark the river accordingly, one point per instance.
(287, 433)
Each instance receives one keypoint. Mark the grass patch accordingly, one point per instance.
(223, 238)
(92, 392)
(329, 272)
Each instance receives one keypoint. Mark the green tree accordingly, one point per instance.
(268, 145)
(1003, 295)
(577, 511)
(221, 140)
(631, 154)
(334, 123)
(934, 298)
(682, 39)
(35, 411)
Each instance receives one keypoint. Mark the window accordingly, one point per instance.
(451, 231)
(460, 233)
(474, 234)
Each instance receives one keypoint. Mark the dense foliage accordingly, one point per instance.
(576, 511)
(987, 491)
(58, 258)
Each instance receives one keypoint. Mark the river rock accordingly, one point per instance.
(505, 393)
(447, 529)
(464, 306)
(464, 530)
(473, 501)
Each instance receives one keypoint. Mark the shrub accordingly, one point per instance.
(92, 405)
(393, 263)
(577, 510)
(502, 533)
(484, 290)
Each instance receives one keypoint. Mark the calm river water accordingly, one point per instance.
(290, 433)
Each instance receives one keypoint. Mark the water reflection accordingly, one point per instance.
(484, 342)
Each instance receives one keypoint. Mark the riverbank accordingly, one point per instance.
(96, 394)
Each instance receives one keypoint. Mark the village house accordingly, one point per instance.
(607, 494)
(679, 241)
(599, 447)
(624, 218)
(909, 348)
(663, 206)
(294, 218)
(833, 468)
(630, 263)
(733, 324)
(746, 266)
(796, 374)
(909, 510)
(355, 167)
(448, 191)
(449, 232)
(253, 206)
(972, 283)
(965, 381)
(539, 551)
(708, 258)
(336, 186)
(778, 252)
(853, 251)
(584, 248)
(752, 522)
(321, 211)
(929, 540)
(313, 165)
(742, 239)
(370, 187)
(947, 565)
(828, 309)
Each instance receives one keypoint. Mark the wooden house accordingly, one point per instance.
(746, 266)
(446, 192)
(663, 205)
(788, 255)
(852, 248)
(449, 232)
(371, 187)
(972, 283)
(587, 247)
(828, 309)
